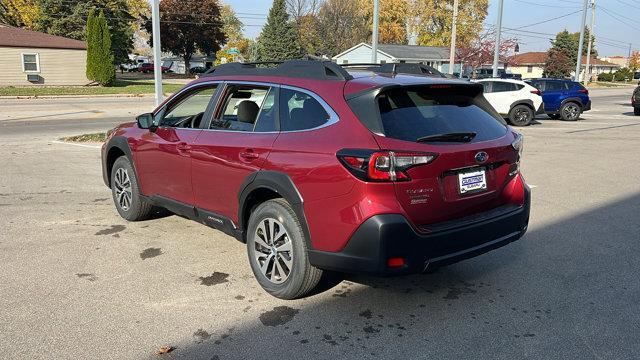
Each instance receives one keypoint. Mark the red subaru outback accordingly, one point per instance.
(319, 169)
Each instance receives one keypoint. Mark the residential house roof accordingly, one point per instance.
(406, 52)
(539, 58)
(17, 37)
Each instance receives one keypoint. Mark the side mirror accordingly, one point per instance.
(145, 121)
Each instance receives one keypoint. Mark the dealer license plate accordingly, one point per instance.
(472, 181)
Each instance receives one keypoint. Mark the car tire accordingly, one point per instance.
(570, 111)
(636, 111)
(554, 116)
(521, 115)
(270, 259)
(126, 192)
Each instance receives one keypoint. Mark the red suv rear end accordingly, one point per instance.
(318, 169)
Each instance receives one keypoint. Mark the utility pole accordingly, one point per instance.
(452, 52)
(496, 51)
(584, 20)
(587, 70)
(374, 36)
(157, 60)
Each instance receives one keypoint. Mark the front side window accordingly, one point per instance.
(30, 63)
(247, 108)
(189, 110)
(300, 111)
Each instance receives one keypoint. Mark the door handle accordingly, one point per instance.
(249, 154)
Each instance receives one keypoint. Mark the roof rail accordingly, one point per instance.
(307, 69)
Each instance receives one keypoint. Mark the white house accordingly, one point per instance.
(434, 56)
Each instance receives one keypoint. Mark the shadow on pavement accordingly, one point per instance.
(568, 289)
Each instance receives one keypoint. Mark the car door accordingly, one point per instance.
(552, 94)
(163, 154)
(235, 144)
(502, 95)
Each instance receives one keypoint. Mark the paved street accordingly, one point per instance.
(79, 282)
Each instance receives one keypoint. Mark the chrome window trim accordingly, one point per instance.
(333, 116)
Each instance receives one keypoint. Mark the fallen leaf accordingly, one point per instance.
(164, 350)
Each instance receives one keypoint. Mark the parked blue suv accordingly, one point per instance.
(564, 99)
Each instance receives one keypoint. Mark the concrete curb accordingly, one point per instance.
(29, 97)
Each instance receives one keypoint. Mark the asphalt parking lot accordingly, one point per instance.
(77, 281)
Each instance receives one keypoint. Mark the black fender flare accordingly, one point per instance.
(279, 183)
(576, 100)
(527, 102)
(121, 143)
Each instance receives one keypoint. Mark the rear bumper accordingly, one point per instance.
(390, 235)
(587, 106)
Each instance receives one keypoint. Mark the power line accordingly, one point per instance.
(545, 5)
(548, 20)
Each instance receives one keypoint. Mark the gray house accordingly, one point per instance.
(435, 56)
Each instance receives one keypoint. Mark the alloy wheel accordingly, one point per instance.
(122, 188)
(571, 112)
(521, 116)
(273, 250)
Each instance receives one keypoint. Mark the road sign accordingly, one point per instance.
(233, 51)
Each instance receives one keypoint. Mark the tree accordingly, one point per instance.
(231, 26)
(92, 42)
(634, 61)
(342, 25)
(20, 13)
(432, 20)
(68, 18)
(559, 63)
(243, 46)
(585, 43)
(392, 20)
(100, 66)
(481, 50)
(188, 26)
(300, 8)
(278, 39)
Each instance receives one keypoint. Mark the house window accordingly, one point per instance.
(383, 62)
(30, 63)
(530, 68)
(345, 61)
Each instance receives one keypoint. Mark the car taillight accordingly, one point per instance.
(518, 143)
(370, 165)
(537, 92)
(584, 91)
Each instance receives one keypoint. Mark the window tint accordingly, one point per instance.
(555, 86)
(188, 111)
(411, 114)
(246, 108)
(300, 111)
(486, 85)
(502, 86)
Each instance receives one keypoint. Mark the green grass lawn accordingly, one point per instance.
(96, 137)
(120, 87)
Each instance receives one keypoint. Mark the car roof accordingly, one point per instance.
(549, 79)
(514, 81)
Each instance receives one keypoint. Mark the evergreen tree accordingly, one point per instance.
(562, 56)
(279, 38)
(91, 42)
(101, 61)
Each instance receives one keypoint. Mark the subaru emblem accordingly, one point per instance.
(482, 157)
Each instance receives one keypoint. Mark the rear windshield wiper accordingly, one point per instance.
(453, 137)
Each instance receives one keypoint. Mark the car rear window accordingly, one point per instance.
(415, 112)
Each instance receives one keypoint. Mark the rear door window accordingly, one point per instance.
(555, 86)
(300, 111)
(247, 108)
(409, 114)
(503, 86)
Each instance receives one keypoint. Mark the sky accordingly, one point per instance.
(617, 22)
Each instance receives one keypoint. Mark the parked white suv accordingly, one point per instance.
(516, 100)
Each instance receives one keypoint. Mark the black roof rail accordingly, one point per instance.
(307, 69)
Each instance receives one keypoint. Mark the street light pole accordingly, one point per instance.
(452, 52)
(374, 36)
(587, 70)
(496, 51)
(157, 60)
(584, 20)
